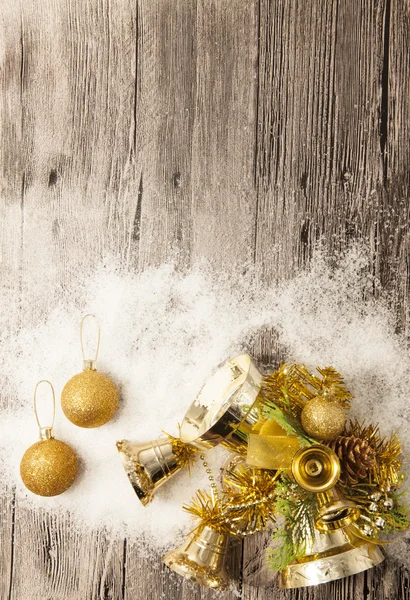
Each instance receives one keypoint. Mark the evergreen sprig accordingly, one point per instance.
(290, 425)
(298, 529)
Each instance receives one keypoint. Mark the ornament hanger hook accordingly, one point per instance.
(45, 432)
(89, 363)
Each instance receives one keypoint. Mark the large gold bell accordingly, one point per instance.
(148, 465)
(225, 410)
(201, 557)
(331, 556)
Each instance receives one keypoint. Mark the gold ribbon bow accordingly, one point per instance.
(271, 448)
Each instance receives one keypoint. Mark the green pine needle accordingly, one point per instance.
(298, 509)
(290, 425)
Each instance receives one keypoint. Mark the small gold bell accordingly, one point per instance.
(201, 557)
(316, 469)
(334, 511)
(150, 464)
(331, 556)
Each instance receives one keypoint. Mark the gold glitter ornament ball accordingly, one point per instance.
(89, 399)
(48, 467)
(323, 419)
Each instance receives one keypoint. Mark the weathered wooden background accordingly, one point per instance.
(238, 130)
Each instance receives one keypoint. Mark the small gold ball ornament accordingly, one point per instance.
(48, 467)
(89, 399)
(323, 419)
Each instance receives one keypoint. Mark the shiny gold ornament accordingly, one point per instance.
(149, 465)
(323, 419)
(48, 467)
(316, 469)
(331, 556)
(90, 398)
(201, 557)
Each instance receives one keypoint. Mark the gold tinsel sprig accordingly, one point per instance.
(185, 453)
(249, 499)
(292, 385)
(208, 510)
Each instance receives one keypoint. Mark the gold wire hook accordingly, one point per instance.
(93, 360)
(48, 427)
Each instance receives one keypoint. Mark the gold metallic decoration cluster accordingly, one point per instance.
(283, 430)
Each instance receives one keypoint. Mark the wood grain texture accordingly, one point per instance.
(76, 101)
(235, 132)
(393, 233)
(197, 138)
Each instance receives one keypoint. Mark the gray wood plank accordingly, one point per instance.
(7, 529)
(54, 558)
(10, 245)
(321, 174)
(196, 112)
(165, 112)
(224, 195)
(77, 71)
(393, 233)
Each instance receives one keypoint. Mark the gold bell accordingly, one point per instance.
(225, 410)
(334, 511)
(317, 469)
(331, 556)
(201, 557)
(149, 465)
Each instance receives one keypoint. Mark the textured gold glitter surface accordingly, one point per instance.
(89, 399)
(323, 419)
(48, 467)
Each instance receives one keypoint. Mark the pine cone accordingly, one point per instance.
(356, 457)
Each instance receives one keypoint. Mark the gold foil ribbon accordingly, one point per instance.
(271, 451)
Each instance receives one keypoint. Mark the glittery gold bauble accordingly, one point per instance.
(323, 419)
(48, 467)
(89, 399)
